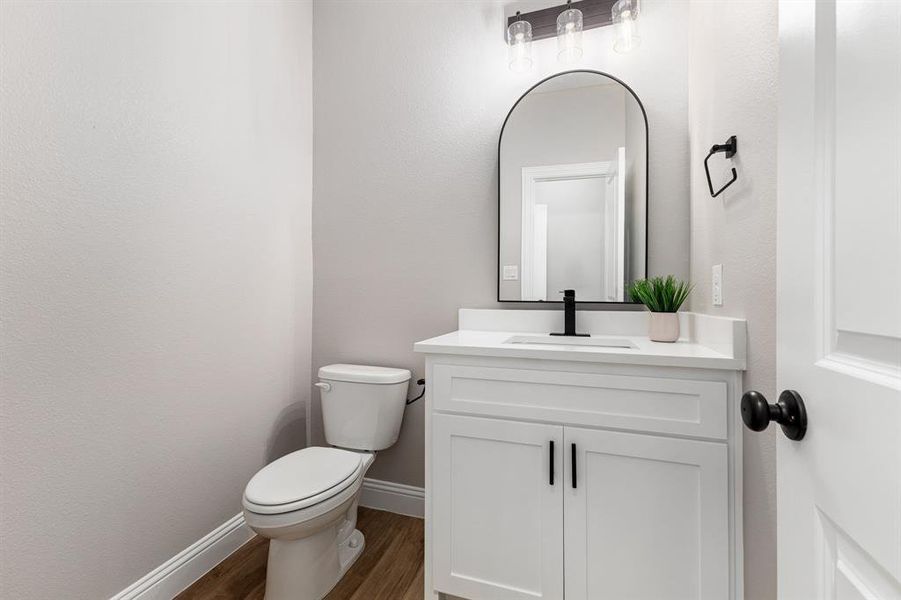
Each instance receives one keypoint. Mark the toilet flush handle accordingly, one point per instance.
(325, 387)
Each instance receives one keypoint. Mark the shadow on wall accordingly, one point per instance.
(289, 431)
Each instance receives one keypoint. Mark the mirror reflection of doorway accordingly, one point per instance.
(573, 230)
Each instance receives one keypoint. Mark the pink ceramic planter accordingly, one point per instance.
(663, 327)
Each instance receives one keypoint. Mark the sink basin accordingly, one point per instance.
(549, 340)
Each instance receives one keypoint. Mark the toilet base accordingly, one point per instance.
(308, 568)
(350, 550)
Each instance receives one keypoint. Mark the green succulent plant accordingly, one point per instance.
(661, 294)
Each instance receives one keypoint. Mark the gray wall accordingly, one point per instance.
(405, 184)
(156, 303)
(734, 50)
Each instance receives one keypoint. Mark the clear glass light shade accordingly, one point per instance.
(625, 19)
(569, 35)
(519, 46)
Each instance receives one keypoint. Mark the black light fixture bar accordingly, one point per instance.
(595, 13)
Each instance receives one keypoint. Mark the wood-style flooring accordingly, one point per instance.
(390, 567)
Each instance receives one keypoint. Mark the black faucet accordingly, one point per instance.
(569, 315)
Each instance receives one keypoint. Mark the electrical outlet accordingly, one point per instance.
(717, 285)
(511, 272)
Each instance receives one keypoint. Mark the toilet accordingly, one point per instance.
(306, 502)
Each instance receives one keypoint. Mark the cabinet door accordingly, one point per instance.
(497, 520)
(647, 517)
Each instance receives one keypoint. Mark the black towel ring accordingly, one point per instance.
(730, 148)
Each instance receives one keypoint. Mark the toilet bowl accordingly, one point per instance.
(313, 535)
(306, 502)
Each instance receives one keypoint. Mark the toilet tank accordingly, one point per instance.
(362, 406)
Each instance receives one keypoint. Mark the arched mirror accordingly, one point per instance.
(572, 191)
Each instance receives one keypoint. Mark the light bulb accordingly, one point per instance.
(625, 15)
(519, 46)
(569, 35)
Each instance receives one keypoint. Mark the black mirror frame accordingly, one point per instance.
(647, 208)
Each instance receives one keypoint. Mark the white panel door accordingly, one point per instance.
(647, 517)
(839, 298)
(497, 516)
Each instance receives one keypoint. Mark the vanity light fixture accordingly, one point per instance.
(569, 34)
(566, 22)
(625, 17)
(519, 45)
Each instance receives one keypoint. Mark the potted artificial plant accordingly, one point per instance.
(662, 296)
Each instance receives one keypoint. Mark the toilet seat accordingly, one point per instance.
(302, 479)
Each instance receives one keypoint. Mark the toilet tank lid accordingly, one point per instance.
(364, 374)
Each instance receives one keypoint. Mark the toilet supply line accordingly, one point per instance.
(420, 382)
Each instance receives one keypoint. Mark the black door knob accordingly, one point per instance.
(788, 411)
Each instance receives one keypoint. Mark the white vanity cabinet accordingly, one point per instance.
(497, 521)
(647, 518)
(586, 479)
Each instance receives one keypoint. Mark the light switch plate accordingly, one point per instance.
(717, 285)
(511, 272)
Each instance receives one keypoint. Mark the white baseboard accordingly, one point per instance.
(393, 497)
(176, 574)
(189, 565)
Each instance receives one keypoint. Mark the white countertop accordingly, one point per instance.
(708, 342)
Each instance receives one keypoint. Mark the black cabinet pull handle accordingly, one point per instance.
(551, 452)
(573, 461)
